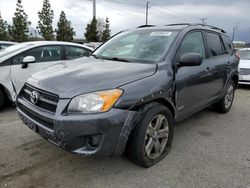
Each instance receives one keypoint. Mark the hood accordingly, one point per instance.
(69, 79)
(244, 64)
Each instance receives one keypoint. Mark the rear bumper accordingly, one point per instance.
(76, 133)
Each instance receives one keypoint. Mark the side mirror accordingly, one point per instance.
(27, 60)
(190, 59)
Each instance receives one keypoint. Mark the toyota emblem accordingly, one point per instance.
(34, 97)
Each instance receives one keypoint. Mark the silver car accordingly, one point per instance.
(244, 66)
(20, 61)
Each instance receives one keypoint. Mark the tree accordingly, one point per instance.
(64, 32)
(20, 27)
(3, 29)
(46, 16)
(100, 28)
(107, 31)
(91, 33)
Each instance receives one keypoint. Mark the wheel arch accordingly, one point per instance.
(162, 101)
(5, 91)
(235, 79)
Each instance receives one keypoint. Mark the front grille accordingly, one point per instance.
(46, 101)
(47, 123)
(244, 71)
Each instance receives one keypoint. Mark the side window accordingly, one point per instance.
(214, 44)
(41, 54)
(192, 43)
(228, 43)
(73, 52)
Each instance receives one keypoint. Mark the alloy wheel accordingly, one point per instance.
(229, 96)
(156, 137)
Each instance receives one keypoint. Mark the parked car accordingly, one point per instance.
(129, 100)
(244, 66)
(19, 61)
(5, 44)
(93, 45)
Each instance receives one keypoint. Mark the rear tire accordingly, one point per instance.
(225, 104)
(2, 99)
(152, 138)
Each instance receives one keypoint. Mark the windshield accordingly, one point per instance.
(147, 46)
(245, 54)
(13, 48)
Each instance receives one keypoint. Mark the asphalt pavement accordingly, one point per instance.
(209, 150)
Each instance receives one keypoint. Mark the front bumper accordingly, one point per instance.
(75, 133)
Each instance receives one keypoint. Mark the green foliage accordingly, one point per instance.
(46, 16)
(91, 33)
(64, 30)
(3, 29)
(98, 30)
(107, 31)
(20, 27)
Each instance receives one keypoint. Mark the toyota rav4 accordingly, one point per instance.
(130, 93)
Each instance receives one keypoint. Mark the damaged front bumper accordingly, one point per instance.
(103, 134)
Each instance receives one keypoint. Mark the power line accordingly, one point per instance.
(120, 9)
(173, 12)
(118, 2)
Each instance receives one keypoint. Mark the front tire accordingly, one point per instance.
(152, 138)
(225, 104)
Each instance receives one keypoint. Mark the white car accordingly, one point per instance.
(244, 66)
(5, 44)
(20, 61)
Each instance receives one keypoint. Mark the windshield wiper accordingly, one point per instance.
(116, 59)
(96, 56)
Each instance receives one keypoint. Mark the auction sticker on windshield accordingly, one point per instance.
(161, 33)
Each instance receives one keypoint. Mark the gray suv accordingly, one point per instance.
(130, 93)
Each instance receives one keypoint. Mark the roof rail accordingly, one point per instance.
(141, 26)
(195, 24)
(188, 24)
(216, 28)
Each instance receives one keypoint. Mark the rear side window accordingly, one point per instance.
(228, 43)
(73, 52)
(214, 44)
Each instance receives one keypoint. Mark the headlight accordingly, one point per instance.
(95, 102)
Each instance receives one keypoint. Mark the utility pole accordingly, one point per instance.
(249, 34)
(203, 21)
(94, 9)
(147, 6)
(233, 33)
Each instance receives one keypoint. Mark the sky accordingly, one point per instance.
(125, 14)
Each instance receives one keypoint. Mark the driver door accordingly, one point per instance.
(44, 56)
(193, 83)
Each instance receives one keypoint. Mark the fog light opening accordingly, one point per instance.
(94, 140)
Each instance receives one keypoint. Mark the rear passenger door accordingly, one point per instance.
(218, 61)
(193, 83)
(231, 60)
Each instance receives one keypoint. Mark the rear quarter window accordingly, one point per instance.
(214, 44)
(228, 43)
